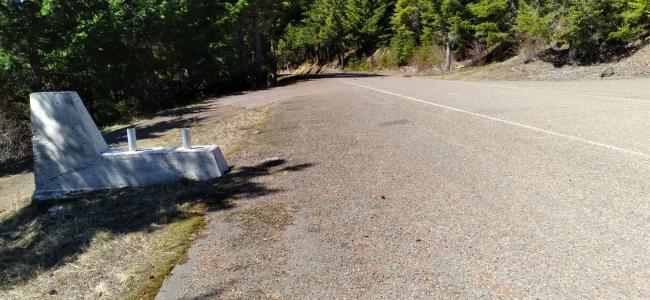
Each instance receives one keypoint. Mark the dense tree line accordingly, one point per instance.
(127, 57)
(588, 30)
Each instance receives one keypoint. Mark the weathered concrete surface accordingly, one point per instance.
(71, 156)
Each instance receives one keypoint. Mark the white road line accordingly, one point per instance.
(553, 133)
(546, 91)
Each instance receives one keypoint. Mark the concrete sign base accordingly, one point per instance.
(71, 155)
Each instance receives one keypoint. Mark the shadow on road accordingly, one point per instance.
(291, 79)
(33, 240)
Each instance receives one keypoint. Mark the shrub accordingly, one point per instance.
(428, 57)
(15, 140)
(384, 58)
(530, 49)
(358, 64)
(476, 53)
(402, 48)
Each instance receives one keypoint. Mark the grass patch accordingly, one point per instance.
(124, 243)
(169, 249)
(239, 127)
(231, 134)
(98, 245)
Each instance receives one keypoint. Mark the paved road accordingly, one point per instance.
(412, 187)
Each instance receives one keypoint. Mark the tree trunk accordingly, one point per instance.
(448, 57)
(327, 54)
(241, 47)
(259, 74)
(274, 64)
(33, 57)
(36, 67)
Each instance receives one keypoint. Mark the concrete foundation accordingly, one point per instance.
(71, 155)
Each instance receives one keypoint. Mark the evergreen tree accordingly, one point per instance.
(534, 20)
(493, 20)
(454, 23)
(636, 19)
(364, 23)
(589, 25)
(406, 23)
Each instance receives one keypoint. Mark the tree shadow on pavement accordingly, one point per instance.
(39, 238)
(291, 79)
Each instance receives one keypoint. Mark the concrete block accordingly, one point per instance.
(71, 155)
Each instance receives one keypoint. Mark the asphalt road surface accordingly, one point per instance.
(370, 186)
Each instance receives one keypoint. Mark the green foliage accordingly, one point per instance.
(358, 64)
(593, 30)
(362, 21)
(387, 59)
(402, 46)
(455, 22)
(407, 25)
(332, 28)
(636, 18)
(534, 21)
(428, 57)
(492, 20)
(589, 25)
(131, 57)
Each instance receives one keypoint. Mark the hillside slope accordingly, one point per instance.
(636, 65)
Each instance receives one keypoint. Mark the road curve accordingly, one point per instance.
(414, 187)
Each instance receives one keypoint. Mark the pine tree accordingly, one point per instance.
(534, 20)
(364, 23)
(635, 20)
(589, 24)
(407, 25)
(492, 20)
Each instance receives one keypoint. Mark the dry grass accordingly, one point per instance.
(166, 250)
(14, 135)
(428, 58)
(529, 50)
(121, 244)
(214, 133)
(15, 191)
(519, 68)
(477, 52)
(97, 246)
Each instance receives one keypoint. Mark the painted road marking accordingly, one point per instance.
(553, 133)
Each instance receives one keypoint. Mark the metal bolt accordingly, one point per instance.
(187, 144)
(130, 135)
